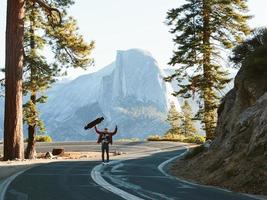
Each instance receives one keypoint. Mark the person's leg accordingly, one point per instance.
(107, 151)
(103, 151)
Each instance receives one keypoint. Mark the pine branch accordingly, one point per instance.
(72, 57)
(49, 9)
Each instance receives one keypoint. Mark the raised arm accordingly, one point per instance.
(115, 131)
(97, 131)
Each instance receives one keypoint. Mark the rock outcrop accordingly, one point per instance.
(240, 147)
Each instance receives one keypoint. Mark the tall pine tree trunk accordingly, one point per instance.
(13, 129)
(30, 150)
(209, 110)
(185, 129)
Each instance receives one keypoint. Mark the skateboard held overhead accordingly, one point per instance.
(93, 123)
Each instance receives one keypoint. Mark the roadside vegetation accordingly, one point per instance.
(42, 138)
(198, 139)
(182, 126)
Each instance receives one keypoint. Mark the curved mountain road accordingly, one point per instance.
(137, 176)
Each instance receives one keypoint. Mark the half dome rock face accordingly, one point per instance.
(136, 77)
(137, 74)
(130, 92)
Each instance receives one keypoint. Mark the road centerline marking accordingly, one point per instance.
(96, 176)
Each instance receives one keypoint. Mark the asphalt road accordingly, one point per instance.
(140, 177)
(128, 147)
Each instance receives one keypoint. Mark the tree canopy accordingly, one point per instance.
(48, 28)
(202, 29)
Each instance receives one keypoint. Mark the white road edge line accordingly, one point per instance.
(161, 169)
(162, 165)
(96, 176)
(4, 185)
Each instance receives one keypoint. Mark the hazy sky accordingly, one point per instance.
(124, 24)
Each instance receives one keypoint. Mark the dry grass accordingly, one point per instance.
(198, 139)
(239, 175)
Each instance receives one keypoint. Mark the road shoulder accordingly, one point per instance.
(179, 163)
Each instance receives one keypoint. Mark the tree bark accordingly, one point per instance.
(30, 150)
(209, 114)
(13, 128)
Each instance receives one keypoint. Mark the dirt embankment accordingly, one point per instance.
(239, 175)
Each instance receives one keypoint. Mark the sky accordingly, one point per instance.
(125, 24)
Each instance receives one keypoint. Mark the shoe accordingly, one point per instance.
(103, 163)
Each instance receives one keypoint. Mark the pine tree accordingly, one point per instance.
(174, 119)
(48, 28)
(187, 126)
(13, 133)
(202, 28)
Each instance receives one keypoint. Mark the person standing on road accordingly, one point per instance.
(105, 138)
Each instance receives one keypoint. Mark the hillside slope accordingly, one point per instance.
(237, 158)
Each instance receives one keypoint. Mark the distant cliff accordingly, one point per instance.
(130, 92)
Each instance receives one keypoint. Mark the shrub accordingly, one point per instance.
(41, 138)
(173, 137)
(154, 138)
(198, 139)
